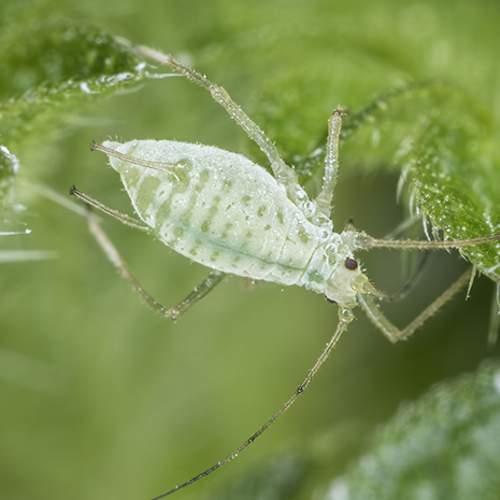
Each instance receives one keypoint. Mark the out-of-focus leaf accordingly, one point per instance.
(10, 12)
(9, 165)
(278, 480)
(445, 445)
(44, 68)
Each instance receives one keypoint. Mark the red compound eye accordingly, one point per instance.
(350, 264)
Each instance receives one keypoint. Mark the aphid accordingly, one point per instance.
(223, 211)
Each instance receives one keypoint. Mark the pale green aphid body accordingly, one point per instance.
(223, 211)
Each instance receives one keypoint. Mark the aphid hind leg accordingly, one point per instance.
(410, 283)
(392, 332)
(206, 286)
(282, 172)
(213, 279)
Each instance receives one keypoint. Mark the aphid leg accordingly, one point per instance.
(324, 198)
(282, 172)
(213, 279)
(206, 286)
(392, 332)
(345, 317)
(494, 319)
(408, 286)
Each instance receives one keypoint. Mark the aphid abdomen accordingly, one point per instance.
(219, 209)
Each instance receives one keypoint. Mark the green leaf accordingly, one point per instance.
(48, 68)
(445, 445)
(437, 135)
(456, 184)
(45, 68)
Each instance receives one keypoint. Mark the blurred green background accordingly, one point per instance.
(102, 398)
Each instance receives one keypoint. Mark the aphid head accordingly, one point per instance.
(346, 282)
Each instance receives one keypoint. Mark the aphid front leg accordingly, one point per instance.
(324, 198)
(282, 172)
(213, 279)
(393, 333)
(367, 301)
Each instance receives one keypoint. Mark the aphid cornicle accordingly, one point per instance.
(224, 211)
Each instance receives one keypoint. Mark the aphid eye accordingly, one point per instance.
(351, 264)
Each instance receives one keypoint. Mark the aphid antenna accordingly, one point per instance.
(367, 242)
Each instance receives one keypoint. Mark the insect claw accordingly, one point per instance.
(350, 225)
(341, 111)
(93, 146)
(72, 190)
